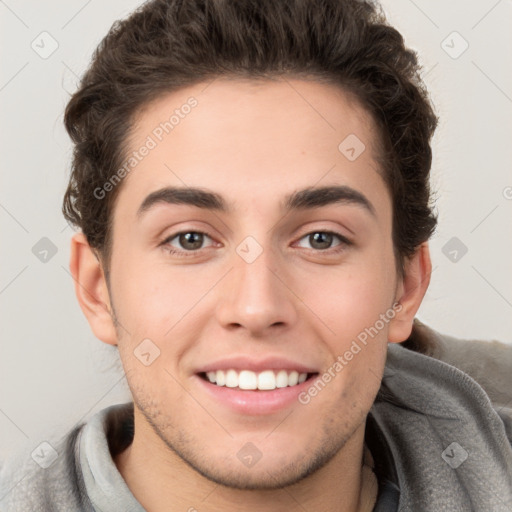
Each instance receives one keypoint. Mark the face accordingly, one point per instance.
(257, 277)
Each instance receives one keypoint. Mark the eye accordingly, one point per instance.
(323, 240)
(187, 241)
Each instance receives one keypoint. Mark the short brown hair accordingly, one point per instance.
(166, 45)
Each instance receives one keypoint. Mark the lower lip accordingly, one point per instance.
(253, 401)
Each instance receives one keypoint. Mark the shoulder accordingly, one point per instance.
(488, 362)
(44, 477)
(439, 394)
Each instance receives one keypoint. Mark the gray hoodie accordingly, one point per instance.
(440, 440)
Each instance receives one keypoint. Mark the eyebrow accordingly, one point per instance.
(307, 198)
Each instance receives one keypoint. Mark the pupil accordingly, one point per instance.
(188, 238)
(324, 238)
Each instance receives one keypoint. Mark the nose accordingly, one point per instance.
(256, 296)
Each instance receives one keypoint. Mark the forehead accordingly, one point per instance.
(254, 140)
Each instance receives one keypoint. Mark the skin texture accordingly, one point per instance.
(254, 143)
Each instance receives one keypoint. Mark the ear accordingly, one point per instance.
(410, 292)
(91, 289)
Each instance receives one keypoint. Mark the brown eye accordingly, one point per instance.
(186, 241)
(191, 240)
(323, 240)
(320, 240)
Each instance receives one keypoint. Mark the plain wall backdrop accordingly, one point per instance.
(54, 372)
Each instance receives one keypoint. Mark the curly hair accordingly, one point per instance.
(166, 45)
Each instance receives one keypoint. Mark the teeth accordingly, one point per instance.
(282, 379)
(265, 380)
(231, 379)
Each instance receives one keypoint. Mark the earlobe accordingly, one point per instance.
(91, 289)
(410, 292)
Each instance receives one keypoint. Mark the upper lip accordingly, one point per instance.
(256, 365)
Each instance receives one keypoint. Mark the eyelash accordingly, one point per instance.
(185, 254)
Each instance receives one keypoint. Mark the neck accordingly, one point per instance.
(163, 482)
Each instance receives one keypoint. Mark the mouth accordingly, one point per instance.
(247, 380)
(245, 385)
(248, 393)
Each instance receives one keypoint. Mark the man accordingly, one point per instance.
(250, 180)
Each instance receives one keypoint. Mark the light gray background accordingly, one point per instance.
(53, 372)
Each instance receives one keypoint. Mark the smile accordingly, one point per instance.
(266, 380)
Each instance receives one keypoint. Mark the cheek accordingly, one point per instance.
(149, 299)
(351, 300)
(355, 309)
